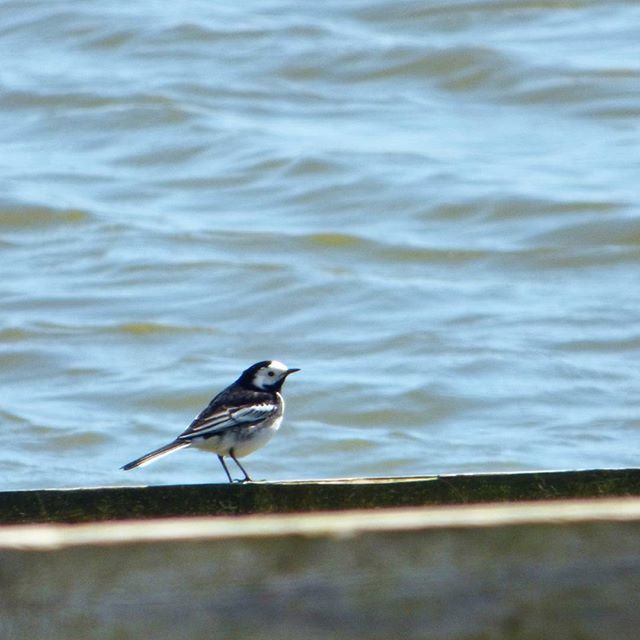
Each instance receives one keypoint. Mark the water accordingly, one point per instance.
(431, 208)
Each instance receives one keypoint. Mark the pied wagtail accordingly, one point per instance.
(239, 420)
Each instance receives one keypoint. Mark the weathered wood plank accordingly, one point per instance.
(115, 503)
(541, 570)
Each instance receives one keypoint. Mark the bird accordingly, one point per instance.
(238, 420)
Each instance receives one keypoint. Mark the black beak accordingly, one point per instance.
(292, 371)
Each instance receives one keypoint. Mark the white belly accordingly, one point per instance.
(243, 441)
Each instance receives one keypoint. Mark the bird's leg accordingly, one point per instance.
(224, 466)
(246, 475)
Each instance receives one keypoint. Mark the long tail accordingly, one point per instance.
(158, 453)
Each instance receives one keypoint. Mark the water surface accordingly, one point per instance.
(431, 208)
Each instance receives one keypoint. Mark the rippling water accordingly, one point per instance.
(430, 207)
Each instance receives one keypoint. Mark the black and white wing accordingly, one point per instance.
(220, 416)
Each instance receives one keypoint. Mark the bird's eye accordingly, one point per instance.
(271, 374)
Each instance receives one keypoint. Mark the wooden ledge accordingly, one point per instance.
(121, 503)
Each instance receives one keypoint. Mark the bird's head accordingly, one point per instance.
(268, 375)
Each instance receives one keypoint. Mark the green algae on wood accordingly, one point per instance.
(117, 503)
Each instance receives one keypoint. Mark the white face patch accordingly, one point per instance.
(269, 375)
